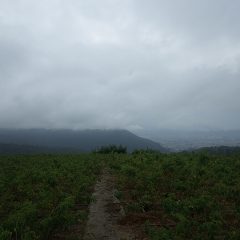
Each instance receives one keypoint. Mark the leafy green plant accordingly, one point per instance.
(40, 193)
(191, 195)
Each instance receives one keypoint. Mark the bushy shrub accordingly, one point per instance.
(111, 149)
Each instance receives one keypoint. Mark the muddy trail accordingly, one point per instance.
(105, 213)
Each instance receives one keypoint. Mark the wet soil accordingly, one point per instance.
(105, 213)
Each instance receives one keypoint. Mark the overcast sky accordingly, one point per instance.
(135, 64)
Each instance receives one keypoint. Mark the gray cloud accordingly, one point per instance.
(120, 64)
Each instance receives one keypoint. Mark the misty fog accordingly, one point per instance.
(120, 64)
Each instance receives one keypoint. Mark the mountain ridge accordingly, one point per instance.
(74, 140)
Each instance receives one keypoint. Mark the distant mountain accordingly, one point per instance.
(42, 140)
(9, 148)
(179, 140)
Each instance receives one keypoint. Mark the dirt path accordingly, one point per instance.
(105, 212)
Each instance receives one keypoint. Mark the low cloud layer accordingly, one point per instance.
(132, 64)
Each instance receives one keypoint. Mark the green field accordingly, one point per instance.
(42, 196)
(181, 196)
(165, 196)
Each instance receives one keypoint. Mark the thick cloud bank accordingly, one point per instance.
(131, 64)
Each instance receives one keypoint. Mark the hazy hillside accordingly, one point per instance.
(179, 140)
(41, 140)
(9, 148)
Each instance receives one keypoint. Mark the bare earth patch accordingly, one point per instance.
(106, 213)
